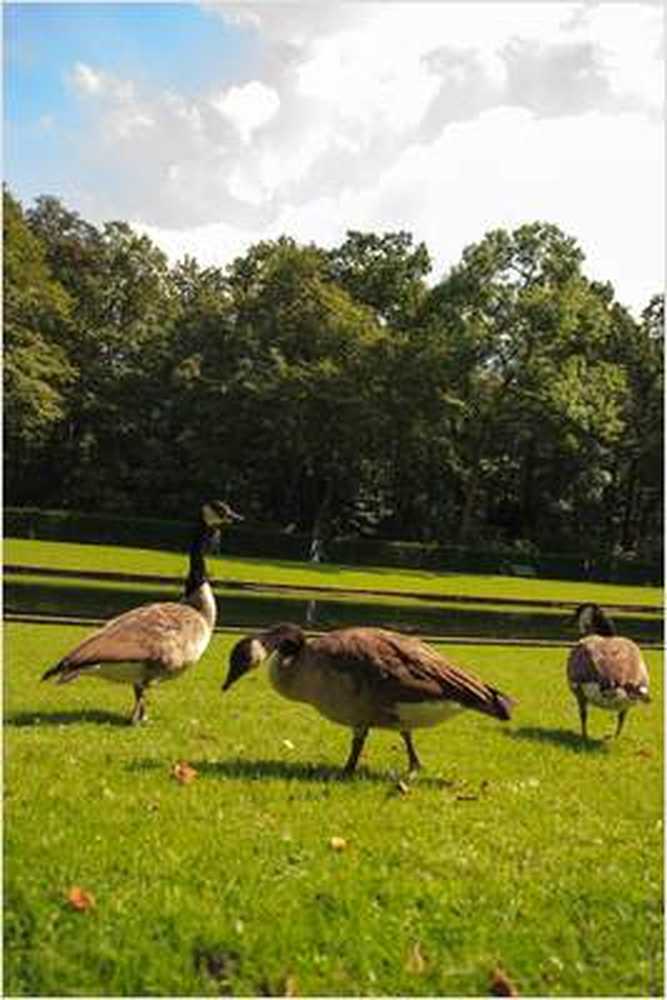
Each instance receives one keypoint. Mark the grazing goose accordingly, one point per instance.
(364, 678)
(604, 669)
(154, 642)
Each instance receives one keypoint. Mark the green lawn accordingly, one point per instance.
(516, 847)
(98, 557)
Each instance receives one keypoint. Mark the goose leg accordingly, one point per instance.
(358, 741)
(619, 723)
(413, 760)
(139, 713)
(583, 713)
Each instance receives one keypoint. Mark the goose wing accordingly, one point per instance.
(398, 668)
(611, 659)
(159, 633)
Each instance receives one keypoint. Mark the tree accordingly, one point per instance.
(123, 304)
(638, 470)
(277, 371)
(527, 335)
(37, 371)
(384, 272)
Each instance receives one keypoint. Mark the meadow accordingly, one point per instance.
(72, 556)
(517, 847)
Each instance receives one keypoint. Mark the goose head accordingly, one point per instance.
(251, 652)
(213, 515)
(591, 620)
(216, 514)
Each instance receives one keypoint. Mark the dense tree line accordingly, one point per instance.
(513, 401)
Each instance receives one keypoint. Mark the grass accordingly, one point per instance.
(517, 846)
(71, 556)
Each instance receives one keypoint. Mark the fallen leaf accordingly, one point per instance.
(644, 752)
(502, 985)
(338, 843)
(467, 798)
(416, 963)
(288, 744)
(183, 772)
(79, 899)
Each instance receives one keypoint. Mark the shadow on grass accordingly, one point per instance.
(283, 770)
(146, 764)
(98, 716)
(567, 738)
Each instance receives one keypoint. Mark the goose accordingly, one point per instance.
(605, 669)
(154, 642)
(365, 678)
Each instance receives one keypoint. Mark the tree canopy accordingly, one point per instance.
(335, 390)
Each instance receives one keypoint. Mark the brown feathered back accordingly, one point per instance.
(610, 659)
(399, 668)
(168, 634)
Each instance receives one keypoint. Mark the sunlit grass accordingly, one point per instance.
(517, 846)
(126, 560)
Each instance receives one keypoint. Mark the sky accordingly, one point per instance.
(211, 126)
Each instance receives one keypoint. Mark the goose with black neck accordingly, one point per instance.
(154, 642)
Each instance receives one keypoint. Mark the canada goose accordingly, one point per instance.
(154, 642)
(604, 669)
(364, 678)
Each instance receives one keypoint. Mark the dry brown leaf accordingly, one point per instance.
(79, 899)
(644, 752)
(338, 843)
(183, 772)
(502, 985)
(416, 963)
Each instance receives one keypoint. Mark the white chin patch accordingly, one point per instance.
(211, 518)
(258, 652)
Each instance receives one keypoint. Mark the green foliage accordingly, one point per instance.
(37, 370)
(515, 847)
(333, 393)
(384, 272)
(544, 390)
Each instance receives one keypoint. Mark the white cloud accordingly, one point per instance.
(629, 38)
(86, 80)
(248, 107)
(503, 169)
(445, 119)
(90, 82)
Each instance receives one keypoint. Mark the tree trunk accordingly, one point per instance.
(629, 506)
(471, 487)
